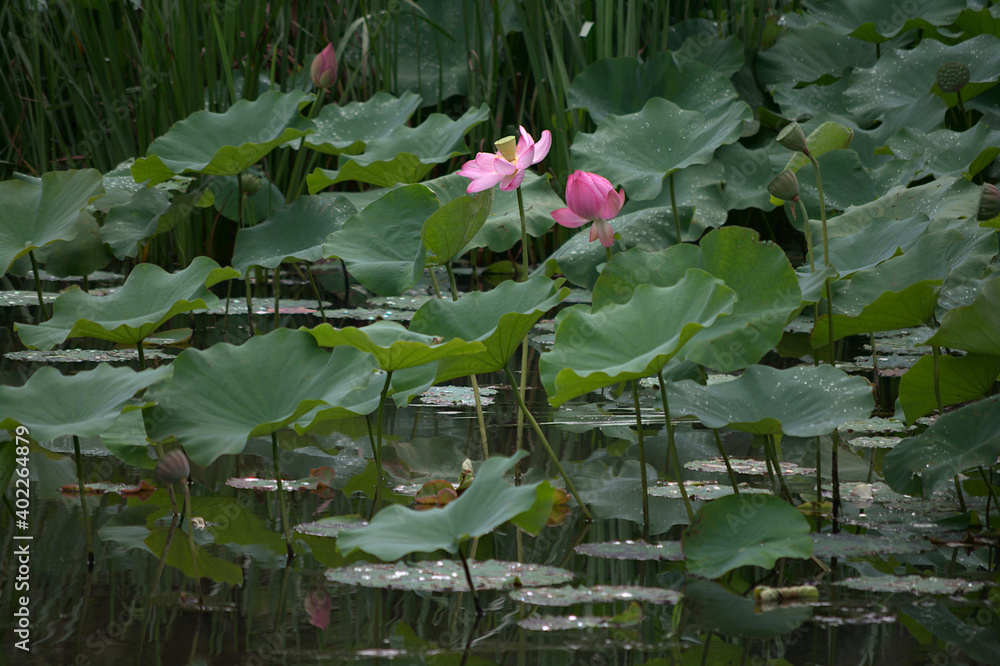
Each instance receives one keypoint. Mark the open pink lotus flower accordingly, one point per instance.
(507, 165)
(591, 198)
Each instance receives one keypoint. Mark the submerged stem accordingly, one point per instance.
(191, 546)
(725, 459)
(548, 448)
(83, 503)
(642, 461)
(312, 281)
(281, 495)
(38, 288)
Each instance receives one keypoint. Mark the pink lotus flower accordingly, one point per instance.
(318, 607)
(324, 68)
(591, 198)
(507, 165)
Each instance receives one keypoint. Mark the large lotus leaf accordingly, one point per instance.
(747, 175)
(968, 437)
(878, 21)
(805, 401)
(137, 220)
(86, 404)
(225, 144)
(632, 340)
(406, 155)
(393, 345)
(81, 256)
(447, 232)
(257, 388)
(947, 153)
(738, 530)
(856, 185)
(620, 86)
(901, 77)
(806, 53)
(381, 245)
(488, 503)
(147, 300)
(961, 379)
(976, 327)
(724, 55)
(880, 240)
(766, 288)
(295, 231)
(944, 198)
(701, 202)
(38, 213)
(728, 614)
(225, 191)
(639, 150)
(348, 128)
(499, 319)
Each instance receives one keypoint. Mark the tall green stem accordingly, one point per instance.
(524, 237)
(725, 459)
(642, 461)
(523, 385)
(808, 234)
(475, 383)
(276, 279)
(451, 281)
(83, 503)
(673, 461)
(548, 448)
(377, 449)
(42, 308)
(281, 495)
(142, 355)
(676, 213)
(315, 287)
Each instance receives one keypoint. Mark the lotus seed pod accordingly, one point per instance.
(173, 467)
(250, 183)
(989, 202)
(952, 76)
(785, 186)
(793, 138)
(507, 147)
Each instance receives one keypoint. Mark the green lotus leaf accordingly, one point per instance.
(135, 221)
(968, 437)
(499, 319)
(447, 232)
(349, 128)
(488, 503)
(747, 175)
(961, 379)
(38, 213)
(257, 388)
(648, 224)
(698, 44)
(437, 576)
(86, 404)
(738, 530)
(381, 245)
(620, 86)
(226, 144)
(876, 21)
(803, 402)
(730, 614)
(295, 231)
(806, 53)
(393, 346)
(901, 77)
(976, 327)
(639, 150)
(947, 153)
(856, 185)
(81, 256)
(225, 191)
(406, 155)
(149, 298)
(631, 340)
(766, 288)
(882, 239)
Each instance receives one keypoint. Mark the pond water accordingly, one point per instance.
(261, 608)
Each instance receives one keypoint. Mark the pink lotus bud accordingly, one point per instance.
(324, 68)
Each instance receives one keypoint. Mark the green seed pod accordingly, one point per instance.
(784, 186)
(989, 202)
(793, 138)
(952, 76)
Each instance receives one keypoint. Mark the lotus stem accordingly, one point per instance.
(468, 579)
(725, 459)
(295, 182)
(548, 448)
(281, 495)
(377, 449)
(38, 288)
(451, 281)
(522, 390)
(524, 237)
(992, 496)
(673, 207)
(769, 444)
(961, 109)
(808, 234)
(822, 208)
(347, 283)
(835, 481)
(83, 502)
(319, 299)
(276, 279)
(191, 546)
(608, 249)
(142, 355)
(936, 352)
(642, 461)
(672, 447)
(225, 317)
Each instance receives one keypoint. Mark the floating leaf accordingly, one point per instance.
(913, 584)
(639, 150)
(741, 466)
(632, 550)
(844, 544)
(265, 384)
(149, 298)
(36, 214)
(965, 438)
(701, 490)
(744, 529)
(448, 576)
(85, 404)
(143, 489)
(489, 502)
(632, 340)
(226, 144)
(332, 526)
(803, 402)
(598, 594)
